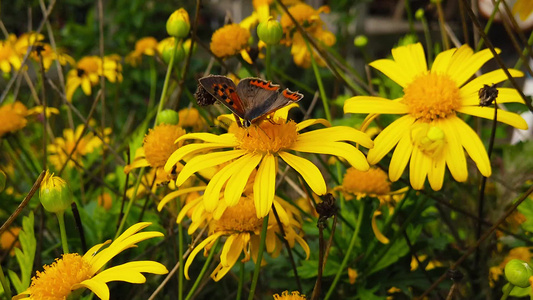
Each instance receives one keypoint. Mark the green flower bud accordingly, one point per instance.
(2, 181)
(168, 116)
(270, 31)
(419, 14)
(360, 41)
(518, 272)
(178, 24)
(166, 48)
(55, 193)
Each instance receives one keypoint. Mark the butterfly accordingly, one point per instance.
(250, 100)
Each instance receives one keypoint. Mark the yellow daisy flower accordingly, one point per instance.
(61, 147)
(430, 134)
(523, 8)
(261, 145)
(72, 271)
(9, 58)
(25, 40)
(49, 55)
(144, 46)
(13, 116)
(242, 229)
(88, 71)
(230, 40)
(295, 295)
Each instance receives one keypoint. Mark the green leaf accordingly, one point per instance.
(25, 256)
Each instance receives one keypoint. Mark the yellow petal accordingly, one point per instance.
(379, 236)
(442, 62)
(310, 173)
(265, 185)
(350, 153)
(505, 95)
(489, 78)
(370, 104)
(418, 168)
(400, 157)
(205, 161)
(337, 133)
(454, 153)
(131, 272)
(388, 138)
(238, 181)
(462, 69)
(436, 172)
(176, 194)
(473, 145)
(503, 116)
(99, 288)
(309, 122)
(198, 248)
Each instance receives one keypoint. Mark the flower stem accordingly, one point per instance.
(259, 258)
(5, 284)
(507, 291)
(130, 203)
(241, 281)
(61, 220)
(319, 82)
(180, 259)
(153, 82)
(202, 272)
(167, 79)
(349, 251)
(267, 62)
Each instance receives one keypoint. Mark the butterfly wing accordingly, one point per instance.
(225, 91)
(261, 97)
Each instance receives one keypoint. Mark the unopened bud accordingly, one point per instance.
(518, 272)
(178, 24)
(270, 31)
(55, 193)
(360, 41)
(168, 116)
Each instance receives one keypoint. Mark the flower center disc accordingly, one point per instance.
(240, 218)
(267, 137)
(432, 96)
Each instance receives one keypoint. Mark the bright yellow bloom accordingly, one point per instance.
(8, 239)
(261, 145)
(230, 40)
(9, 58)
(310, 20)
(49, 55)
(523, 8)
(62, 147)
(144, 46)
(243, 229)
(295, 295)
(13, 116)
(431, 135)
(26, 40)
(72, 271)
(88, 71)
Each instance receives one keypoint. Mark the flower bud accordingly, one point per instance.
(168, 116)
(360, 41)
(178, 24)
(518, 272)
(2, 181)
(55, 193)
(419, 14)
(166, 48)
(270, 31)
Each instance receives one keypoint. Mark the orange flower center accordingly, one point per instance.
(432, 96)
(374, 181)
(239, 218)
(55, 282)
(159, 143)
(267, 137)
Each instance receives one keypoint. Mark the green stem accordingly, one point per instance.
(5, 284)
(153, 82)
(507, 291)
(180, 250)
(319, 82)
(241, 281)
(525, 52)
(202, 272)
(259, 258)
(427, 37)
(489, 23)
(167, 79)
(268, 63)
(61, 220)
(349, 251)
(130, 203)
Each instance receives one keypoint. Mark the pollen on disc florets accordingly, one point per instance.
(159, 143)
(432, 96)
(239, 218)
(374, 181)
(55, 282)
(267, 137)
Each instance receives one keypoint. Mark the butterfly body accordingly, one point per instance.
(251, 99)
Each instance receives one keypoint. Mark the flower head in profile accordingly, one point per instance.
(295, 295)
(88, 71)
(74, 144)
(9, 57)
(72, 271)
(144, 46)
(309, 19)
(230, 40)
(261, 145)
(242, 229)
(430, 135)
